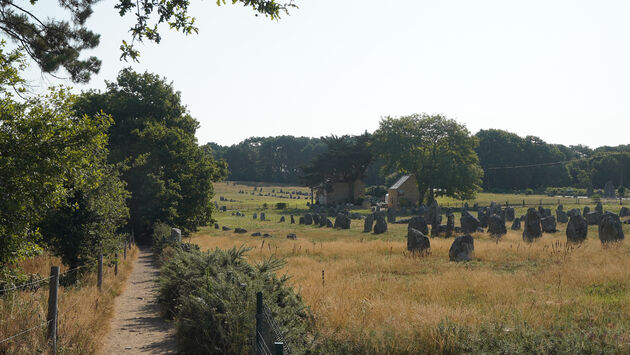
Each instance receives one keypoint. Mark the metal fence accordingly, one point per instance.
(269, 339)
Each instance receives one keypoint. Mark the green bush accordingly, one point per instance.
(211, 296)
(161, 237)
(377, 191)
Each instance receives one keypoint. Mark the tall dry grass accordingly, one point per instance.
(375, 292)
(84, 312)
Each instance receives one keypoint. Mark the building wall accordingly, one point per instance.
(340, 192)
(407, 191)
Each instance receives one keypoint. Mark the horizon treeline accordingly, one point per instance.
(510, 162)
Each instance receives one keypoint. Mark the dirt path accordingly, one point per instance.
(137, 327)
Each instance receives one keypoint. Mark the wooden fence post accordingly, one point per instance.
(278, 348)
(116, 264)
(53, 291)
(99, 280)
(125, 251)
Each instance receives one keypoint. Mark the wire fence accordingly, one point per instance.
(30, 284)
(269, 338)
(53, 314)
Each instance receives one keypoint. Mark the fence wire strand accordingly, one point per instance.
(35, 282)
(25, 331)
(277, 334)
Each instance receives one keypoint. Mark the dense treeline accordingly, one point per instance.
(276, 159)
(509, 162)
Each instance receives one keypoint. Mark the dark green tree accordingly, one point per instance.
(55, 43)
(46, 152)
(89, 222)
(346, 160)
(169, 176)
(440, 153)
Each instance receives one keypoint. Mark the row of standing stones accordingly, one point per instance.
(493, 217)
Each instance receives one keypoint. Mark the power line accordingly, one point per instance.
(532, 165)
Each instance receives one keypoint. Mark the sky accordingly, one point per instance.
(559, 70)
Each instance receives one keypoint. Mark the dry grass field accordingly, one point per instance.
(84, 312)
(369, 295)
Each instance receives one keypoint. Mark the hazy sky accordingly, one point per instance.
(559, 70)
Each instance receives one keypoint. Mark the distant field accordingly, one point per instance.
(376, 298)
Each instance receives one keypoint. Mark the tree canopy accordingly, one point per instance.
(438, 151)
(47, 153)
(169, 176)
(55, 43)
(346, 160)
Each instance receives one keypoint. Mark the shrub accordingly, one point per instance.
(161, 237)
(529, 191)
(211, 295)
(377, 191)
(281, 205)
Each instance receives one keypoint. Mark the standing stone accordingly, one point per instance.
(544, 212)
(509, 214)
(482, 215)
(367, 223)
(262, 216)
(301, 221)
(417, 242)
(610, 229)
(291, 236)
(433, 213)
(586, 211)
(176, 235)
(577, 229)
(462, 249)
(329, 223)
(308, 219)
(516, 225)
(562, 216)
(391, 215)
(469, 222)
(281, 219)
(450, 224)
(380, 226)
(316, 218)
(548, 224)
(419, 223)
(322, 220)
(624, 212)
(609, 190)
(216, 226)
(532, 229)
(342, 221)
(496, 226)
(592, 218)
(254, 216)
(574, 212)
(292, 219)
(599, 208)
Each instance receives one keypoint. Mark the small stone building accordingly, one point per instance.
(340, 192)
(403, 192)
